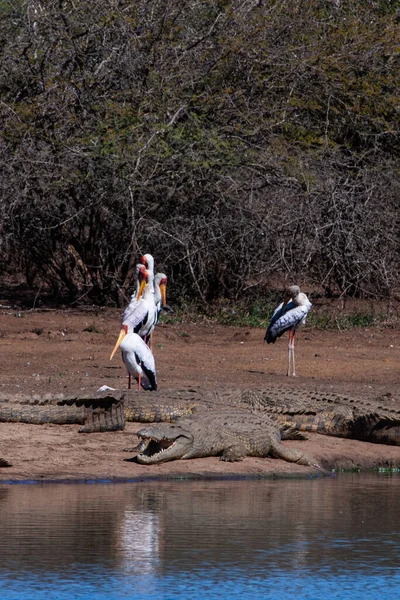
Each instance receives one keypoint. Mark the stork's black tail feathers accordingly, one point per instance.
(148, 379)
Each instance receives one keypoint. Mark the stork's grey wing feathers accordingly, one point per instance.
(292, 317)
(277, 312)
(271, 333)
(289, 319)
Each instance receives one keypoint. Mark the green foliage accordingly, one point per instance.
(255, 315)
(237, 143)
(344, 321)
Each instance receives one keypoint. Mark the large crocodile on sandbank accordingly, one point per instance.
(231, 433)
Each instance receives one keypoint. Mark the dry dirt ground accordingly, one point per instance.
(65, 351)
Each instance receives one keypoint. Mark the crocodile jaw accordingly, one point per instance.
(156, 447)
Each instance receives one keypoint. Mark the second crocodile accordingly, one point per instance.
(376, 420)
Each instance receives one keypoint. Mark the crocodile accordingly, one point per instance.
(231, 433)
(375, 420)
(97, 412)
(94, 413)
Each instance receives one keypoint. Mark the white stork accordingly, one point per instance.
(141, 311)
(140, 269)
(287, 317)
(160, 290)
(137, 357)
(146, 307)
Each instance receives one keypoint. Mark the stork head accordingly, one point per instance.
(291, 292)
(139, 269)
(144, 277)
(148, 261)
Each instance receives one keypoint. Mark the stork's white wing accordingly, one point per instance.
(136, 315)
(131, 306)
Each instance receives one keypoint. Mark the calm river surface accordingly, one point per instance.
(315, 539)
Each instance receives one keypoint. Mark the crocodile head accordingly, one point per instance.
(163, 442)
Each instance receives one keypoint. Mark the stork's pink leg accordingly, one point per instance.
(291, 354)
(293, 365)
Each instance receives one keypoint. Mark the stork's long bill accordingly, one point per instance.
(122, 334)
(141, 288)
(163, 290)
(286, 300)
(144, 279)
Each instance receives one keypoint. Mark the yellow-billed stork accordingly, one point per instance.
(137, 357)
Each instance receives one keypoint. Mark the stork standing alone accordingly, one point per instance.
(291, 313)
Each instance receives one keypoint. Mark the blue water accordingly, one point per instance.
(333, 538)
